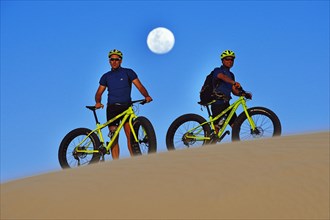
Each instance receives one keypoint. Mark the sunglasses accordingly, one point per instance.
(115, 59)
(227, 59)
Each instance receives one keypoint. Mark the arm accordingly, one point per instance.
(142, 89)
(228, 79)
(98, 96)
(236, 85)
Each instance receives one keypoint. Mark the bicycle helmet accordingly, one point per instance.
(115, 52)
(227, 53)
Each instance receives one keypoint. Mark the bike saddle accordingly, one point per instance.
(91, 107)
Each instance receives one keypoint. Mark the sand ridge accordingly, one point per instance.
(278, 178)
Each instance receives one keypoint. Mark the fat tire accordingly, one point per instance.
(68, 144)
(175, 132)
(265, 119)
(146, 135)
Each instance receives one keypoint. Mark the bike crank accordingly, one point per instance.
(215, 139)
(102, 152)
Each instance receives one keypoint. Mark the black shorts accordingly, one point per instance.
(113, 111)
(218, 108)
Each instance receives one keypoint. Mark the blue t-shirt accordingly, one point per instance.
(119, 84)
(224, 87)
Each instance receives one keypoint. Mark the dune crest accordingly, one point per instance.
(278, 178)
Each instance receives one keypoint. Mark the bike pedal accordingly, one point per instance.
(224, 134)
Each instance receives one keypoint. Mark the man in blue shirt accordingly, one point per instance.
(119, 83)
(225, 80)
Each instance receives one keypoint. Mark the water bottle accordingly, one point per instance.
(222, 120)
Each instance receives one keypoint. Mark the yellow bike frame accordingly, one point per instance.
(128, 114)
(231, 109)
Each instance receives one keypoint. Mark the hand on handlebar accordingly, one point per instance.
(148, 99)
(99, 105)
(247, 95)
(242, 92)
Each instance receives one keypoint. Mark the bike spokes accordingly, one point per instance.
(264, 128)
(185, 137)
(78, 149)
(146, 139)
(81, 158)
(142, 146)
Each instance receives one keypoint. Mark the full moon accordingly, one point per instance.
(160, 40)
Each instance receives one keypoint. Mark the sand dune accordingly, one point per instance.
(279, 178)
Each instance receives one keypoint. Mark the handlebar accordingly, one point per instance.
(93, 108)
(140, 101)
(242, 92)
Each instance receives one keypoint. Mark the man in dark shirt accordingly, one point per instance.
(119, 83)
(225, 80)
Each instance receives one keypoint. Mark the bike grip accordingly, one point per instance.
(248, 95)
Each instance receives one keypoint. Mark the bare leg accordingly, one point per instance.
(115, 145)
(128, 135)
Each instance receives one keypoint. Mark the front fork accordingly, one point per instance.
(254, 129)
(132, 127)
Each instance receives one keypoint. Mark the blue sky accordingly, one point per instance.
(54, 52)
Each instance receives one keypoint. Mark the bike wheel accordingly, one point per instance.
(67, 155)
(266, 121)
(146, 136)
(182, 126)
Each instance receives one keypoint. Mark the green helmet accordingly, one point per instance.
(115, 52)
(227, 53)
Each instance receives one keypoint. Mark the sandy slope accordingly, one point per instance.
(278, 178)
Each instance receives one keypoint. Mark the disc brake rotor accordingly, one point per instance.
(78, 155)
(258, 132)
(188, 140)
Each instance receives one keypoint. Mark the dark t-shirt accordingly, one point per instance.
(224, 87)
(119, 84)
